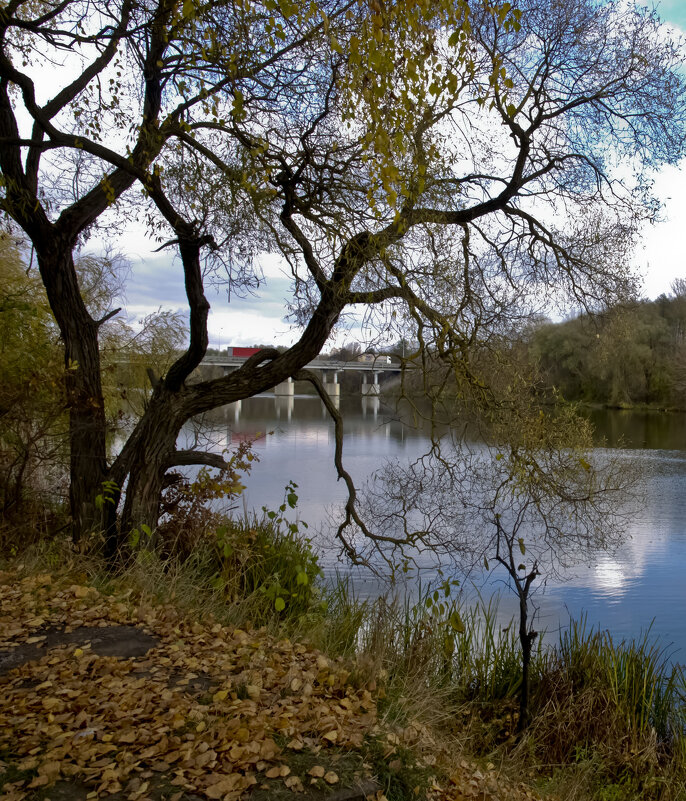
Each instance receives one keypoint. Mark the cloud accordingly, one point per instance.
(255, 319)
(661, 257)
(156, 281)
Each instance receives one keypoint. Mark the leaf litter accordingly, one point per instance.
(209, 712)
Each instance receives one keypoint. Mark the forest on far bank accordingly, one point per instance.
(630, 355)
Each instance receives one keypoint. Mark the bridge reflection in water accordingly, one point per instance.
(284, 407)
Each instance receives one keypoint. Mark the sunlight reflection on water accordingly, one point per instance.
(640, 586)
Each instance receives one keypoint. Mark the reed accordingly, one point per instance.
(487, 664)
(641, 683)
(608, 717)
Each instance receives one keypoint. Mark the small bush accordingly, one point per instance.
(264, 565)
(193, 509)
(262, 558)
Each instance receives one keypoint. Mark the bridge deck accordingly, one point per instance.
(317, 364)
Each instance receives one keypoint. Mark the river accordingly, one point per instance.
(641, 586)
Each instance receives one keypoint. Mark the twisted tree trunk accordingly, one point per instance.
(83, 388)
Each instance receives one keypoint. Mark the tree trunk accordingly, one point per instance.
(141, 508)
(87, 431)
(83, 390)
(150, 455)
(526, 639)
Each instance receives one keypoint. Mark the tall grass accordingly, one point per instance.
(610, 718)
(605, 714)
(430, 666)
(627, 695)
(478, 662)
(486, 662)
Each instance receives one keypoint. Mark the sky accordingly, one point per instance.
(672, 11)
(157, 282)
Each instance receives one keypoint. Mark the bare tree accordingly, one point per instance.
(533, 504)
(438, 166)
(678, 287)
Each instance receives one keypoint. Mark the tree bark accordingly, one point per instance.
(149, 454)
(83, 388)
(526, 639)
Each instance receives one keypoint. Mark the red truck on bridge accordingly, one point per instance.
(243, 353)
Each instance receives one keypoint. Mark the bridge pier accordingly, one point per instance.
(333, 388)
(371, 389)
(285, 388)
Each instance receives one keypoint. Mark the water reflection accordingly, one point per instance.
(370, 406)
(638, 429)
(364, 416)
(638, 587)
(283, 406)
(611, 577)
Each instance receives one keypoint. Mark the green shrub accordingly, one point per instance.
(267, 558)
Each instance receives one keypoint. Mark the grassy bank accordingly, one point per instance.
(608, 718)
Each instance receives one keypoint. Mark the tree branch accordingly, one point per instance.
(352, 516)
(66, 95)
(187, 458)
(108, 316)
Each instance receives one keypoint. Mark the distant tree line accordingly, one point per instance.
(632, 354)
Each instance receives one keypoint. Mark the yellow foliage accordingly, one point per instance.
(116, 723)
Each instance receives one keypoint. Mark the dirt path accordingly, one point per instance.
(111, 697)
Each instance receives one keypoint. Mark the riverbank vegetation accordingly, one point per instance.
(631, 354)
(607, 720)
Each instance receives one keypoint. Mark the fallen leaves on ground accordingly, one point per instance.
(470, 781)
(211, 711)
(117, 723)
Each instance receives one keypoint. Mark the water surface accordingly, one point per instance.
(641, 586)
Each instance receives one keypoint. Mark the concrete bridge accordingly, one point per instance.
(330, 370)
